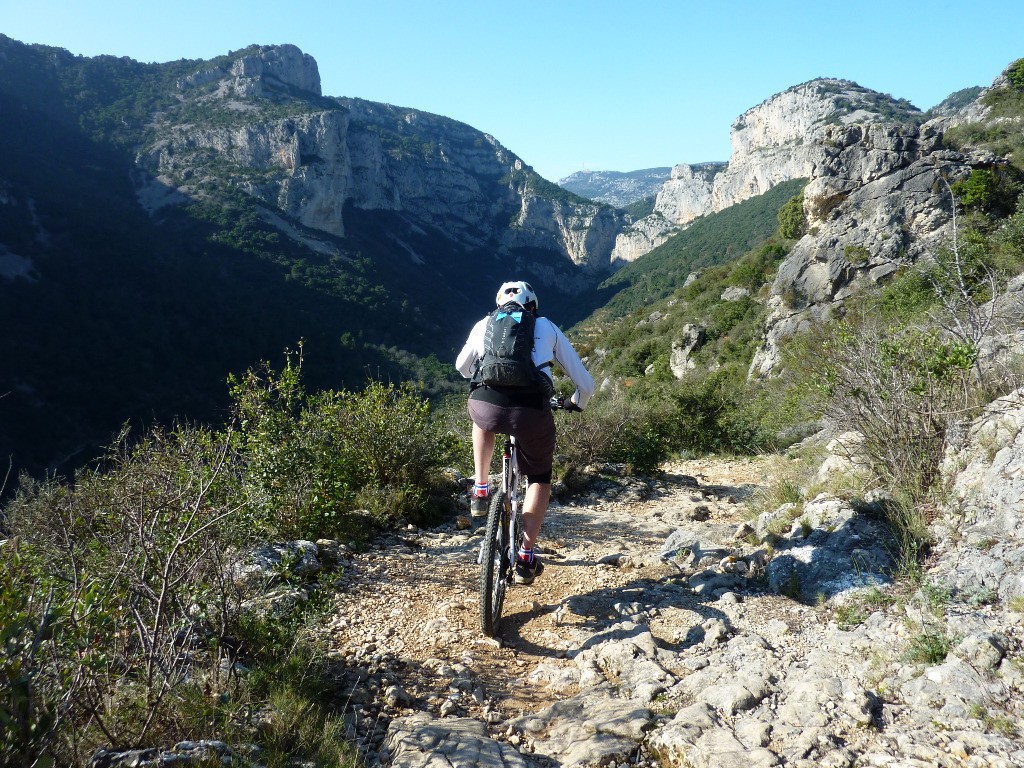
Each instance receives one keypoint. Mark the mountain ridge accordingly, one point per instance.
(618, 188)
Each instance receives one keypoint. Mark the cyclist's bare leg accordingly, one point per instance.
(483, 450)
(535, 505)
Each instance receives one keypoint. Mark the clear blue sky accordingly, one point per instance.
(567, 84)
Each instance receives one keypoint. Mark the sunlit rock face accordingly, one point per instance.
(269, 132)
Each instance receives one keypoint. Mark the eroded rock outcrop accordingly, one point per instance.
(982, 532)
(880, 202)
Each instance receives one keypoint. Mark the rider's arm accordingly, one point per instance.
(567, 357)
(472, 349)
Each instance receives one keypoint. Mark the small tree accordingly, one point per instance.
(792, 220)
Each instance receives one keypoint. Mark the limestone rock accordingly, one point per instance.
(421, 741)
(986, 508)
(785, 137)
(587, 730)
(830, 550)
(691, 338)
(283, 65)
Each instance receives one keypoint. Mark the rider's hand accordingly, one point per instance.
(559, 401)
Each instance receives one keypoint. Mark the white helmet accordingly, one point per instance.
(518, 291)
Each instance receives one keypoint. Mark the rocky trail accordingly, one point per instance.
(661, 633)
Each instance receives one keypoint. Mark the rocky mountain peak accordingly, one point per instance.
(284, 63)
(802, 111)
(326, 163)
(258, 69)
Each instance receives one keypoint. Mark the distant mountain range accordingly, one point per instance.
(618, 188)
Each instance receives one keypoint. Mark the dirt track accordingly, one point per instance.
(407, 622)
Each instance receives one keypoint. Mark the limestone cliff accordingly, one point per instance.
(877, 200)
(783, 138)
(261, 125)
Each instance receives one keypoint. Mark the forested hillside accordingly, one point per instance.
(128, 298)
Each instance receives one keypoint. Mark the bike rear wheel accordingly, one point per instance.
(494, 564)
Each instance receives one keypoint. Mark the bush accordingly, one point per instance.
(857, 254)
(899, 388)
(615, 428)
(133, 562)
(1015, 74)
(906, 296)
(716, 413)
(29, 704)
(992, 190)
(755, 268)
(1008, 242)
(314, 465)
(120, 640)
(792, 220)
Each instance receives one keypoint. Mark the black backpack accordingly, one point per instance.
(507, 360)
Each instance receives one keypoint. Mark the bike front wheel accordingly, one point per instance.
(494, 564)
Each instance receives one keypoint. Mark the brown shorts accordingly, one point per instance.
(533, 428)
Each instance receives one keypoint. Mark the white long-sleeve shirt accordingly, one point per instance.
(549, 343)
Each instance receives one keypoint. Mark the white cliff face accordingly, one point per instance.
(262, 67)
(641, 237)
(316, 165)
(788, 136)
(687, 195)
(783, 138)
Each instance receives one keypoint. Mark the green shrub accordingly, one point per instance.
(754, 269)
(717, 413)
(29, 627)
(132, 558)
(907, 295)
(792, 220)
(992, 190)
(1015, 74)
(929, 647)
(898, 388)
(133, 562)
(1008, 242)
(307, 464)
(620, 427)
(856, 254)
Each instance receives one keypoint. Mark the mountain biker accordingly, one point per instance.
(524, 413)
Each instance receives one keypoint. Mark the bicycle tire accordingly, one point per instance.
(494, 565)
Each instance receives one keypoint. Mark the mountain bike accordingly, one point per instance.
(504, 533)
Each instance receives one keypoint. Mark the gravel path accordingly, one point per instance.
(632, 650)
(408, 614)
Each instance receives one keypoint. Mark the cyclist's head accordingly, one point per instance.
(518, 291)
